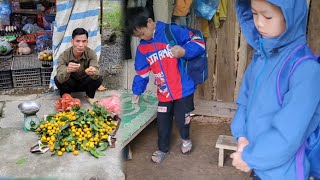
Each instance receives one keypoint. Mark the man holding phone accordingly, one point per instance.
(78, 68)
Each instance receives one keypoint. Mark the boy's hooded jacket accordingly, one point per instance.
(275, 132)
(155, 55)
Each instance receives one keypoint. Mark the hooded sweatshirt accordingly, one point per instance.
(155, 55)
(276, 132)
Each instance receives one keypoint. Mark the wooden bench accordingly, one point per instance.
(225, 142)
(134, 118)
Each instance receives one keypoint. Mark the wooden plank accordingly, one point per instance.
(28, 11)
(126, 142)
(161, 11)
(226, 142)
(214, 108)
(212, 50)
(225, 57)
(314, 26)
(242, 63)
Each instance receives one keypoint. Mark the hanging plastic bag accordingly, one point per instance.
(5, 7)
(31, 28)
(5, 11)
(206, 8)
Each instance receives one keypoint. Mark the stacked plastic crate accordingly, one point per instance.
(26, 71)
(5, 73)
(46, 70)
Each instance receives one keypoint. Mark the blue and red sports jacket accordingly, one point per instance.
(155, 55)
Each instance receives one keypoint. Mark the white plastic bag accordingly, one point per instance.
(31, 28)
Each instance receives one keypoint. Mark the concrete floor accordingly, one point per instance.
(15, 145)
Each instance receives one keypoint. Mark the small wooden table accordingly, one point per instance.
(225, 142)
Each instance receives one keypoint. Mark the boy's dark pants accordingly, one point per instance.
(254, 176)
(86, 84)
(166, 110)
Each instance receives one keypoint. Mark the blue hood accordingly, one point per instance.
(295, 13)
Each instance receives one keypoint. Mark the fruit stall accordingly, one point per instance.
(26, 43)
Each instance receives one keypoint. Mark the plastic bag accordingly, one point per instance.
(44, 42)
(5, 7)
(5, 47)
(112, 104)
(45, 55)
(30, 28)
(66, 102)
(206, 8)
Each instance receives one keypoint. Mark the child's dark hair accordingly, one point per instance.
(79, 31)
(136, 17)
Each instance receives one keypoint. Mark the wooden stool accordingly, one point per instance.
(225, 142)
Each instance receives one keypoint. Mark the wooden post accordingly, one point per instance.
(101, 15)
(242, 63)
(221, 157)
(161, 10)
(314, 26)
(225, 56)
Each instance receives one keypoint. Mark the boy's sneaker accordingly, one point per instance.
(158, 156)
(186, 146)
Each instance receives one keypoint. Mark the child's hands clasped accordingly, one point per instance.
(242, 142)
(178, 51)
(237, 161)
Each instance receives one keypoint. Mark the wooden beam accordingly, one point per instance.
(214, 108)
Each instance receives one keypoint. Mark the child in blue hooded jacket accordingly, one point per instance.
(269, 133)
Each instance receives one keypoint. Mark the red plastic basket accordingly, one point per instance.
(32, 38)
(28, 38)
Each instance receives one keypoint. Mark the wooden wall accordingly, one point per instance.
(314, 26)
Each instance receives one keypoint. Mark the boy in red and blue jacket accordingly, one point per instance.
(175, 88)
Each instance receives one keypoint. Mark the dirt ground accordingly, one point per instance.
(200, 164)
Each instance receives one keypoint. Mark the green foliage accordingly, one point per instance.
(112, 15)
